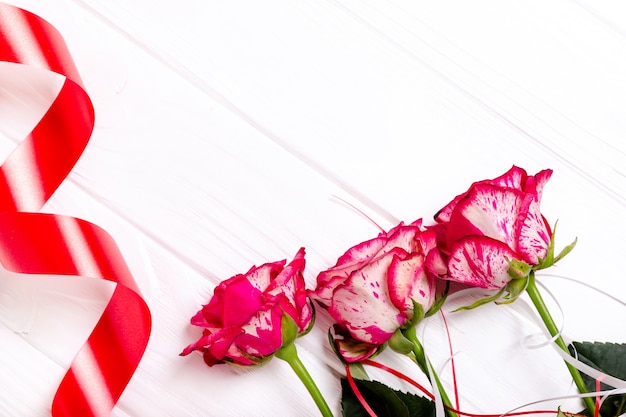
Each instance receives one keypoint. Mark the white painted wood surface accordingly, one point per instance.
(227, 132)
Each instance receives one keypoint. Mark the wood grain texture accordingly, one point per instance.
(228, 133)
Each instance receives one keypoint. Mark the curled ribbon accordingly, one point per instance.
(37, 243)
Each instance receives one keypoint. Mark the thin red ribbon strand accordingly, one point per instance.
(38, 243)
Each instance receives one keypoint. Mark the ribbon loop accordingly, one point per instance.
(36, 243)
(40, 163)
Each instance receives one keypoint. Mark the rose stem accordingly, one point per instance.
(290, 355)
(420, 358)
(540, 305)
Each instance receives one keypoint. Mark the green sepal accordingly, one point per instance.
(418, 315)
(289, 329)
(258, 361)
(439, 300)
(400, 344)
(566, 250)
(514, 288)
(482, 301)
(312, 322)
(519, 269)
(550, 259)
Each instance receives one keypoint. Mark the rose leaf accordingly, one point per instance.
(609, 358)
(385, 402)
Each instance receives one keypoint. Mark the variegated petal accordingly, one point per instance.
(534, 234)
(409, 282)
(488, 210)
(362, 304)
(480, 261)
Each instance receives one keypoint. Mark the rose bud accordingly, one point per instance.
(251, 316)
(378, 287)
(495, 232)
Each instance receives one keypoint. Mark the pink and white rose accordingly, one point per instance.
(492, 224)
(372, 290)
(243, 321)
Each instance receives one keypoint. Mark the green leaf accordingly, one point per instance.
(560, 413)
(358, 371)
(609, 358)
(385, 402)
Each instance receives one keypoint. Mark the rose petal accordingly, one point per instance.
(488, 210)
(513, 178)
(362, 303)
(290, 288)
(361, 252)
(353, 259)
(427, 240)
(306, 317)
(408, 282)
(480, 261)
(435, 263)
(351, 350)
(262, 335)
(323, 294)
(289, 283)
(534, 234)
(404, 237)
(211, 360)
(441, 231)
(261, 277)
(199, 320)
(400, 236)
(240, 301)
(220, 342)
(213, 312)
(539, 180)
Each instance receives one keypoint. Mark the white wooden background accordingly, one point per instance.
(227, 134)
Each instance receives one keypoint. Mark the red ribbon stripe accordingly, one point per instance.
(37, 243)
